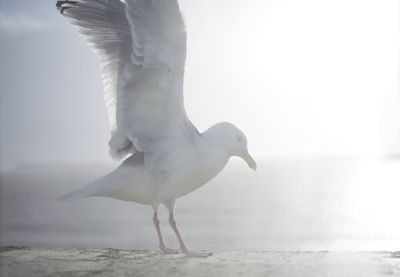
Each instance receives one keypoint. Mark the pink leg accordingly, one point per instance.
(182, 244)
(162, 246)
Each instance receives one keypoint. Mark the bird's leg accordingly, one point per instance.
(172, 222)
(162, 246)
(182, 244)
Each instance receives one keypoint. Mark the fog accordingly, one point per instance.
(313, 84)
(309, 78)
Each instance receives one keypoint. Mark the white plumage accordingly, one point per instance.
(141, 45)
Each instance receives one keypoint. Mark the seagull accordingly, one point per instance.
(141, 46)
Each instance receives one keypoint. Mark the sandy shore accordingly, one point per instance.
(20, 261)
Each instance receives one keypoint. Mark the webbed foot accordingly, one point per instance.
(167, 250)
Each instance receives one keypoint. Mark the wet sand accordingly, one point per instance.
(113, 262)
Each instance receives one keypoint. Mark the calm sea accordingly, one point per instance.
(286, 205)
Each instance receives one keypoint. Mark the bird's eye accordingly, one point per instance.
(239, 139)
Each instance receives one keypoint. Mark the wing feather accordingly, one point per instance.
(142, 51)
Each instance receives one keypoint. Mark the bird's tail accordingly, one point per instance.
(92, 189)
(108, 182)
(74, 195)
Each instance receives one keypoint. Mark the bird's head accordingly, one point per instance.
(232, 140)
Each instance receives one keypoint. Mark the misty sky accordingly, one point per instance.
(300, 78)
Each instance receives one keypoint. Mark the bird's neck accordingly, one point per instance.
(211, 141)
(212, 152)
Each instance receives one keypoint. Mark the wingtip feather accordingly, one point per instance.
(65, 5)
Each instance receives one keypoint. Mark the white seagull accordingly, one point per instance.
(141, 45)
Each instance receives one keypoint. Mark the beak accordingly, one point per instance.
(250, 161)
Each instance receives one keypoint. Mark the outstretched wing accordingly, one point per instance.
(142, 50)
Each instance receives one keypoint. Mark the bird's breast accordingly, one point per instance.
(198, 173)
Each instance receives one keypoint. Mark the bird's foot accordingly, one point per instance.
(167, 250)
(190, 253)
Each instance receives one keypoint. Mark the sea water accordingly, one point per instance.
(320, 204)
